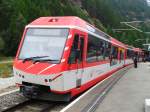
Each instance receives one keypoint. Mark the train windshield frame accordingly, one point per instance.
(45, 43)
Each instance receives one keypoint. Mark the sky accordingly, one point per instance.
(148, 1)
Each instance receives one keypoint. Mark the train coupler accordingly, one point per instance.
(30, 91)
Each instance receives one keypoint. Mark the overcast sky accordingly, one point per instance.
(148, 0)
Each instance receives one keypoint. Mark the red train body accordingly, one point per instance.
(60, 57)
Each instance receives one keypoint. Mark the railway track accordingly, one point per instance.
(15, 102)
(37, 106)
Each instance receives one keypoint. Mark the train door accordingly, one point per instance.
(114, 55)
(121, 56)
(125, 56)
(76, 59)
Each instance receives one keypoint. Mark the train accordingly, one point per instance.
(60, 57)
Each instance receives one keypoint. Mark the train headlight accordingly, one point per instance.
(20, 75)
(46, 80)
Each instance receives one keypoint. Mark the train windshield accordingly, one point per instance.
(47, 43)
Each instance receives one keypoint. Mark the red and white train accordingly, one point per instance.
(60, 57)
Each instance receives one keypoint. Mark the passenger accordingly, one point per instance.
(135, 62)
(111, 59)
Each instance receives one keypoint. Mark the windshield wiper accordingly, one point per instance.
(43, 60)
(32, 58)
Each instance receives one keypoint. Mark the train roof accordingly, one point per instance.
(137, 49)
(59, 21)
(134, 49)
(118, 43)
(68, 22)
(73, 22)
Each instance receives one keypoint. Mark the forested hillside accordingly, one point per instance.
(104, 14)
(112, 12)
(15, 14)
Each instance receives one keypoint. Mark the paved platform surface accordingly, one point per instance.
(89, 100)
(130, 92)
(6, 82)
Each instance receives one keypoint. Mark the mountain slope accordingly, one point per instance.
(112, 12)
(15, 14)
(104, 14)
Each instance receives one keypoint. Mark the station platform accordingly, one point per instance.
(129, 93)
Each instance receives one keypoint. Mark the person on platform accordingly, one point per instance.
(135, 62)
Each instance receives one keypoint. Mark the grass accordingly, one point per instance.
(6, 68)
(5, 58)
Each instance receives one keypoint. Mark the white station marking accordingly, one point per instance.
(9, 92)
(147, 105)
(76, 100)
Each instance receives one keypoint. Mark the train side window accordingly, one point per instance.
(100, 50)
(114, 52)
(130, 54)
(91, 49)
(113, 55)
(121, 55)
(72, 57)
(77, 47)
(107, 50)
(95, 49)
(81, 48)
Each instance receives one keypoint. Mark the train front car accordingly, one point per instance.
(60, 57)
(41, 60)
